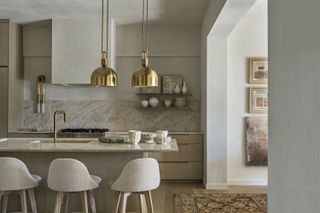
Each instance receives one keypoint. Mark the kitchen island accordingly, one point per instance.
(104, 160)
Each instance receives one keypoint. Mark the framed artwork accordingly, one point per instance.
(169, 83)
(152, 90)
(256, 141)
(258, 70)
(258, 100)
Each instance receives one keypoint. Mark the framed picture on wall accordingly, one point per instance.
(169, 83)
(257, 141)
(258, 100)
(258, 70)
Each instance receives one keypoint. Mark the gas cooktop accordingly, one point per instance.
(89, 130)
(82, 132)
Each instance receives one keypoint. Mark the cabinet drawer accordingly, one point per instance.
(188, 138)
(4, 43)
(181, 171)
(187, 152)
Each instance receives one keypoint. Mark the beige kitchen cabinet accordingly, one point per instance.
(187, 163)
(4, 75)
(11, 77)
(76, 49)
(181, 170)
(4, 44)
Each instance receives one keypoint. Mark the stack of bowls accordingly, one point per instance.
(180, 102)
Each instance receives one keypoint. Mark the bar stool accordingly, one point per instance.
(16, 178)
(139, 176)
(67, 176)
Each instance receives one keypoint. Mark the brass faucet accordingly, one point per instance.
(54, 122)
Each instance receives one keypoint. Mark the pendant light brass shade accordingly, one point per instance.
(145, 76)
(104, 76)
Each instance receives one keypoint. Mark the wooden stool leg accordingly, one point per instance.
(32, 201)
(4, 203)
(57, 208)
(116, 207)
(124, 199)
(92, 202)
(66, 204)
(84, 196)
(149, 201)
(23, 199)
(142, 203)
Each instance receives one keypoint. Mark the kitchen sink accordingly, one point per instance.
(62, 140)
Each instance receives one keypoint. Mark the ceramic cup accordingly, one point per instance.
(161, 140)
(168, 139)
(162, 133)
(134, 136)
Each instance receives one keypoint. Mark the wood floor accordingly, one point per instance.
(163, 196)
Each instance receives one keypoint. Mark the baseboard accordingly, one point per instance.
(248, 182)
(216, 186)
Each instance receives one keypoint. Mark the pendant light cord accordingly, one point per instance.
(107, 30)
(102, 26)
(104, 47)
(144, 26)
(147, 27)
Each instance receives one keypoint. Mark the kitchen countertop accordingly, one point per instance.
(79, 145)
(48, 134)
(122, 132)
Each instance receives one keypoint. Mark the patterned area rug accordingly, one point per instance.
(220, 203)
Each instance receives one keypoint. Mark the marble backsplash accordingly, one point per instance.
(120, 115)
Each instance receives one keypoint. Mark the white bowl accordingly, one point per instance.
(144, 103)
(154, 102)
(167, 103)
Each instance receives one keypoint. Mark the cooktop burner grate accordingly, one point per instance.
(84, 130)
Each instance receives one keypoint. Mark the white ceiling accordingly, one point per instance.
(123, 11)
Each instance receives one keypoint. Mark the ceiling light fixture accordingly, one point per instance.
(145, 76)
(104, 76)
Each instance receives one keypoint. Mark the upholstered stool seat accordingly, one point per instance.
(139, 176)
(16, 178)
(67, 176)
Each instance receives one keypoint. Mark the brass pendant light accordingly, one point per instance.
(104, 76)
(145, 76)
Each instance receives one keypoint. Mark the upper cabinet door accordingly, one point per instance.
(4, 43)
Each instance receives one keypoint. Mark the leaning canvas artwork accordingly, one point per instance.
(257, 141)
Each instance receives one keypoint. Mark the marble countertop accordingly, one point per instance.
(51, 132)
(79, 145)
